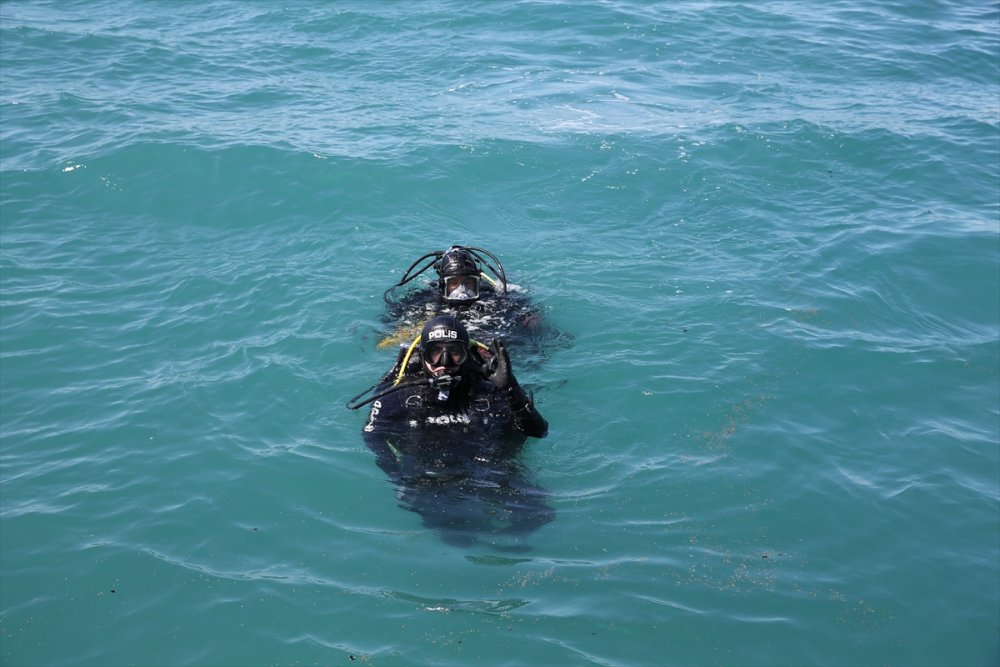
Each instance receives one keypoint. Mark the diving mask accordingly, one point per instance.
(461, 288)
(446, 354)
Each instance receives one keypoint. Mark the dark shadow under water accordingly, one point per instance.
(467, 492)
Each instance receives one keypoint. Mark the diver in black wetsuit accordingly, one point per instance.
(453, 384)
(445, 424)
(472, 285)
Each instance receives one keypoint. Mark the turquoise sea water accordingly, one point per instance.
(772, 231)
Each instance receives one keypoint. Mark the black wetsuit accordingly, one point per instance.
(420, 428)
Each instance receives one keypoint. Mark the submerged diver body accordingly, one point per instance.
(473, 286)
(445, 424)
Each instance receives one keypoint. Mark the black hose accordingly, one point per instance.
(353, 405)
(498, 272)
(406, 275)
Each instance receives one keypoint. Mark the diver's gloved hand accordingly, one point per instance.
(524, 416)
(501, 376)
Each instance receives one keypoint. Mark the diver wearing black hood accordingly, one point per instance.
(471, 284)
(455, 383)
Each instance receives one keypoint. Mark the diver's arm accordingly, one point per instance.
(525, 417)
(383, 427)
(386, 456)
(386, 411)
(523, 413)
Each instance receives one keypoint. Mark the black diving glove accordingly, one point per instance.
(500, 363)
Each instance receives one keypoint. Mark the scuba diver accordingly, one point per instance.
(445, 424)
(452, 381)
(471, 284)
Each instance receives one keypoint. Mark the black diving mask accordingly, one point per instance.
(448, 354)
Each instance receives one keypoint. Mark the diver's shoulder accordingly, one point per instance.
(394, 401)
